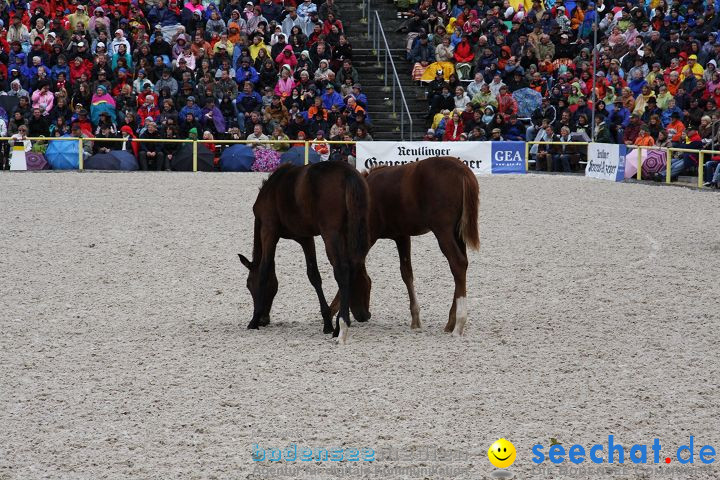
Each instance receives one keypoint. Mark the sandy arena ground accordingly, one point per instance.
(123, 350)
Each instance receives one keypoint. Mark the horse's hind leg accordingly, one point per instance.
(308, 246)
(455, 251)
(342, 275)
(335, 249)
(403, 246)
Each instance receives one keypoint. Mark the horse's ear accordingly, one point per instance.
(245, 261)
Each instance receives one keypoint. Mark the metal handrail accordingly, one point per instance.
(366, 12)
(378, 28)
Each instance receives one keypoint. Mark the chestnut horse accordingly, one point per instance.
(439, 195)
(299, 202)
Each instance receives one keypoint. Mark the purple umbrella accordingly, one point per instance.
(654, 162)
(35, 161)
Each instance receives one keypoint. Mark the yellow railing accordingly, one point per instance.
(306, 144)
(668, 162)
(81, 140)
(528, 145)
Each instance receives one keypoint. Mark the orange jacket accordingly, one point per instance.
(679, 128)
(646, 141)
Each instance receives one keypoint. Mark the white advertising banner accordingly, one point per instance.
(606, 161)
(483, 158)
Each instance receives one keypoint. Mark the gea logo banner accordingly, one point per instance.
(606, 161)
(483, 158)
(508, 157)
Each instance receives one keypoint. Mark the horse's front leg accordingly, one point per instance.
(308, 246)
(267, 284)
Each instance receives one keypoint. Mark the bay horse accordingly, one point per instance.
(330, 199)
(439, 195)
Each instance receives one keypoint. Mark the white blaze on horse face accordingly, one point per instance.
(460, 316)
(344, 332)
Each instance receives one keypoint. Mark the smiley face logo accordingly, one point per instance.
(502, 453)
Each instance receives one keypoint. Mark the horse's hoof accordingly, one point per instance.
(327, 329)
(449, 328)
(253, 326)
(264, 321)
(416, 326)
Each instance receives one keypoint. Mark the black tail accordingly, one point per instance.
(357, 202)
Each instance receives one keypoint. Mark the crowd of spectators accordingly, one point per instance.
(656, 75)
(163, 69)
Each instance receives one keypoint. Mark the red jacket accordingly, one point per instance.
(134, 145)
(507, 105)
(452, 131)
(144, 113)
(85, 126)
(327, 26)
(463, 52)
(141, 97)
(76, 71)
(118, 88)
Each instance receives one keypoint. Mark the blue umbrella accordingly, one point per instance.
(237, 158)
(102, 161)
(528, 101)
(114, 160)
(296, 156)
(127, 160)
(62, 154)
(182, 160)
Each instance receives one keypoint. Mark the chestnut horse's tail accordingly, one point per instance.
(468, 226)
(357, 203)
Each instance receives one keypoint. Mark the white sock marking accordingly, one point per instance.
(344, 332)
(460, 316)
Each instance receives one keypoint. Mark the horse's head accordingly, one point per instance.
(262, 287)
(252, 279)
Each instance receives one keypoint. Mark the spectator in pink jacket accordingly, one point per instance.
(285, 83)
(43, 99)
(287, 57)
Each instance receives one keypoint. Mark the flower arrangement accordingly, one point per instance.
(266, 160)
